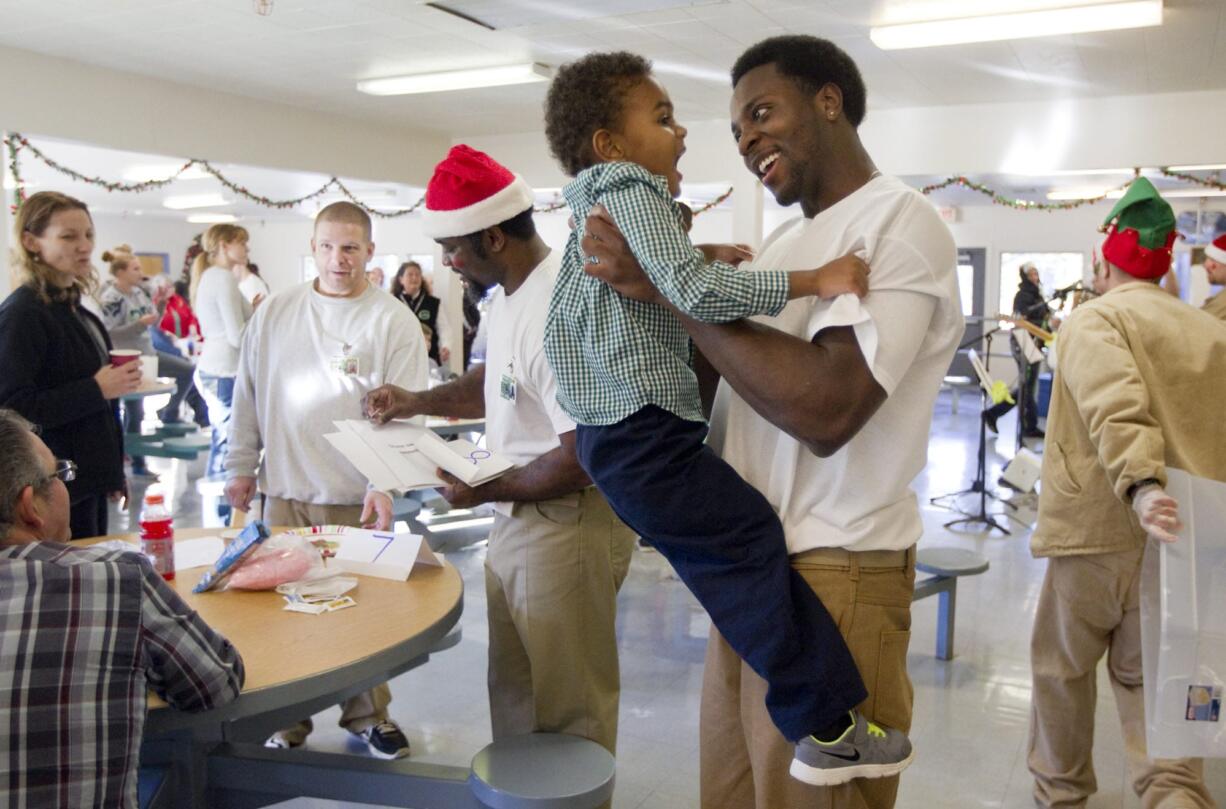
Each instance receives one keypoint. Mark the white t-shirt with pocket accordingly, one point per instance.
(908, 328)
(522, 416)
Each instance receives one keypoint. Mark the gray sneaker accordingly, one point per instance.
(865, 750)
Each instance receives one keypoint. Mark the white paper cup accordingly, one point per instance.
(149, 369)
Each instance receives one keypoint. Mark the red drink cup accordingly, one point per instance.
(122, 356)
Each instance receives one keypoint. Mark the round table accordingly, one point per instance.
(298, 664)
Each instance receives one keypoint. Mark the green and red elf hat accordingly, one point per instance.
(1140, 232)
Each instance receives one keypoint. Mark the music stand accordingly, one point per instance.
(979, 484)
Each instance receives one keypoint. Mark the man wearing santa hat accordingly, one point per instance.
(1215, 266)
(1136, 390)
(557, 554)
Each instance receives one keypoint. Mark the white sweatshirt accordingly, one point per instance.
(222, 312)
(287, 393)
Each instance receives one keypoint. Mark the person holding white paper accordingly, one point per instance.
(308, 355)
(1137, 389)
(557, 554)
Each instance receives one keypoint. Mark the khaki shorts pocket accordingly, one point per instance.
(558, 513)
(893, 696)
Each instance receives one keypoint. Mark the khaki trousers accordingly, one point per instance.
(366, 709)
(552, 574)
(1090, 606)
(743, 758)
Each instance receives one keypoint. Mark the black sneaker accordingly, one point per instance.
(386, 740)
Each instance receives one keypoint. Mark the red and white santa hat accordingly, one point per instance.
(470, 191)
(1216, 249)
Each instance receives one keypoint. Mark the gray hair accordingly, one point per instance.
(19, 466)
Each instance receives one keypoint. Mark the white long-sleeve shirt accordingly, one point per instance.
(288, 391)
(222, 313)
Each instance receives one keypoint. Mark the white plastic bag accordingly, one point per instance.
(281, 559)
(1183, 626)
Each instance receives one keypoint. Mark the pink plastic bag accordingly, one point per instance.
(280, 560)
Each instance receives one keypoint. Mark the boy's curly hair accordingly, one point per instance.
(586, 96)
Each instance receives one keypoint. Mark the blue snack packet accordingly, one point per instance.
(243, 546)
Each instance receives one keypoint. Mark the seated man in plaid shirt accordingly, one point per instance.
(84, 634)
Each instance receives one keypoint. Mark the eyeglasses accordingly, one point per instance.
(64, 470)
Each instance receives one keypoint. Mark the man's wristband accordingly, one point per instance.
(1132, 490)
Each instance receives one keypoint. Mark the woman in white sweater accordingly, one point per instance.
(223, 312)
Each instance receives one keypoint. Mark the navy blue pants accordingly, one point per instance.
(726, 543)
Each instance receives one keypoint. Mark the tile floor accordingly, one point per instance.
(971, 713)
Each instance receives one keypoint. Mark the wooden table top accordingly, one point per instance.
(280, 647)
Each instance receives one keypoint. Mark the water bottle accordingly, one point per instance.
(157, 534)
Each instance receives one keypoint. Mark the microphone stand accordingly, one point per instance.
(979, 484)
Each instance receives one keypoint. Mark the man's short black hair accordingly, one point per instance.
(586, 96)
(520, 227)
(812, 63)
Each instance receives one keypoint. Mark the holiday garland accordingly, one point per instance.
(15, 142)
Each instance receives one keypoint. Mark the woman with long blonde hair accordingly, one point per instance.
(56, 357)
(222, 312)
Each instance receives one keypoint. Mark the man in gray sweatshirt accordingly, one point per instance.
(308, 356)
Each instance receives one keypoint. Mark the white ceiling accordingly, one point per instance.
(311, 53)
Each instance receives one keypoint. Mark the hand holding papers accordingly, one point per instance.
(404, 456)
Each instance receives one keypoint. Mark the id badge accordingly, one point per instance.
(345, 365)
(506, 385)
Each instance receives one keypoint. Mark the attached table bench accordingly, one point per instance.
(945, 566)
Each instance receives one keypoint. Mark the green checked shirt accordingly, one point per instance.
(613, 356)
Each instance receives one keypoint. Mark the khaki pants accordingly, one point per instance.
(744, 759)
(364, 710)
(1090, 605)
(551, 579)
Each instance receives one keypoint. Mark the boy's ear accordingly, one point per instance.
(607, 146)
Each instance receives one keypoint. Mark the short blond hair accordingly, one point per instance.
(346, 213)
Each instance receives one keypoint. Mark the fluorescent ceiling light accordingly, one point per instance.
(211, 218)
(1076, 193)
(1020, 25)
(1074, 173)
(1202, 167)
(1116, 193)
(151, 172)
(1190, 193)
(456, 80)
(183, 203)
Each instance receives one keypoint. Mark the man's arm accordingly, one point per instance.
(463, 398)
(186, 662)
(553, 474)
(243, 454)
(1113, 401)
(820, 392)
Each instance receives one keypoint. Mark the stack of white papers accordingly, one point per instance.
(404, 456)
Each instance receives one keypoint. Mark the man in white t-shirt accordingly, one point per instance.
(825, 408)
(557, 554)
(308, 356)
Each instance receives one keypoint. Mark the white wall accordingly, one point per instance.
(61, 98)
(45, 95)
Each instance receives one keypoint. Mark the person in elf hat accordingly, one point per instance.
(1215, 266)
(557, 554)
(1136, 390)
